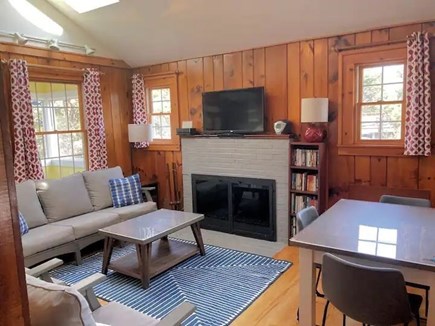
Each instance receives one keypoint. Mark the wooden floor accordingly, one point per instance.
(279, 303)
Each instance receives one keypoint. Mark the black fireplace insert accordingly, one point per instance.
(243, 206)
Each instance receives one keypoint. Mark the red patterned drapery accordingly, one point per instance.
(93, 104)
(139, 109)
(26, 159)
(418, 96)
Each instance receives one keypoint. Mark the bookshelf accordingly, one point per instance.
(308, 179)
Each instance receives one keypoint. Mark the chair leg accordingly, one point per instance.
(321, 295)
(344, 320)
(417, 318)
(325, 312)
(297, 315)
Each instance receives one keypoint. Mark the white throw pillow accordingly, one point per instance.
(56, 305)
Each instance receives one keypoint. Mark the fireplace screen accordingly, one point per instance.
(244, 206)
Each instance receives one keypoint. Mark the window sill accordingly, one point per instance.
(371, 150)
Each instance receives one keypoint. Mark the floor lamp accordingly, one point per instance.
(138, 133)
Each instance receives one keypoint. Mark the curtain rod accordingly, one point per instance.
(33, 65)
(369, 45)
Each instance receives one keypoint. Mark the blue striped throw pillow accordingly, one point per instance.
(24, 228)
(126, 191)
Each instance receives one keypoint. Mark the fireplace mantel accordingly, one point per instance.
(250, 157)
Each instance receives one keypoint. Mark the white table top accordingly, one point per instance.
(152, 226)
(394, 234)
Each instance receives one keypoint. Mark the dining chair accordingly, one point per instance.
(304, 218)
(410, 201)
(379, 296)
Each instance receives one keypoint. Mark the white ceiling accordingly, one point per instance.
(144, 32)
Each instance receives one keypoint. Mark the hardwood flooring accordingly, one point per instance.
(279, 303)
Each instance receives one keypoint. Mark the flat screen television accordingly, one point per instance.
(239, 111)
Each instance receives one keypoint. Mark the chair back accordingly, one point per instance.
(305, 217)
(410, 201)
(375, 296)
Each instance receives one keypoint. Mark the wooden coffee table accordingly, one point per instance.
(155, 253)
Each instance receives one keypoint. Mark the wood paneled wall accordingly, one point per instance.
(290, 72)
(115, 88)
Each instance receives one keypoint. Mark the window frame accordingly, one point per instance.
(359, 104)
(38, 76)
(164, 81)
(349, 111)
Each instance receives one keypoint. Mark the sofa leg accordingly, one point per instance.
(78, 257)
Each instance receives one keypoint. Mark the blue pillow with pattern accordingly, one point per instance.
(126, 191)
(24, 228)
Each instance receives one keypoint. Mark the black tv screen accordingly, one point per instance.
(234, 111)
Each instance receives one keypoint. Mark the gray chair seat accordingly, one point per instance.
(115, 314)
(128, 212)
(46, 237)
(89, 223)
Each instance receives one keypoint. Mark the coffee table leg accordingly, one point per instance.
(107, 254)
(198, 238)
(144, 252)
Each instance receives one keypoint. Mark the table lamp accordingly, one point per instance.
(313, 112)
(139, 133)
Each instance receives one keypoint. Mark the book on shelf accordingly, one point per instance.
(304, 182)
(305, 157)
(300, 202)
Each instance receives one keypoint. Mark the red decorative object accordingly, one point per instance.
(315, 134)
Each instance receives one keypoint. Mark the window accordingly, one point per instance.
(162, 107)
(161, 112)
(60, 134)
(381, 102)
(372, 103)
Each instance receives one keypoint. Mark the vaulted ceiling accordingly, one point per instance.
(143, 32)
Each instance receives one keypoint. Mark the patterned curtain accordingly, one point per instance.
(418, 96)
(139, 110)
(94, 120)
(26, 159)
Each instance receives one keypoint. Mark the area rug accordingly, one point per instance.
(220, 284)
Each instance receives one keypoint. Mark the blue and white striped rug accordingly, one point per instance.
(221, 284)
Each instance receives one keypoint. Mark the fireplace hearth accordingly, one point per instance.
(242, 206)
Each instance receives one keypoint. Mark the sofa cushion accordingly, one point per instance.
(90, 223)
(65, 197)
(97, 183)
(128, 212)
(116, 314)
(29, 205)
(126, 191)
(57, 305)
(46, 237)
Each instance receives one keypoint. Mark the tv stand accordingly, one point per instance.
(230, 134)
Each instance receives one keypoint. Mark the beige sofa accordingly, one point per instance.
(64, 215)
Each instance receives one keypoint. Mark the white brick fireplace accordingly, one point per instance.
(266, 158)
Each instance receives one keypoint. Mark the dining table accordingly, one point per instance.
(372, 234)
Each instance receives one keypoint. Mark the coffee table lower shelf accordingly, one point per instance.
(164, 255)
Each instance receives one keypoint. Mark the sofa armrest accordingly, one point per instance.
(85, 287)
(178, 315)
(43, 269)
(146, 192)
(89, 282)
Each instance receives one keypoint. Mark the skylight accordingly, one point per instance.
(82, 6)
(36, 17)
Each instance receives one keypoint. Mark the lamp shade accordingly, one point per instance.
(138, 133)
(314, 110)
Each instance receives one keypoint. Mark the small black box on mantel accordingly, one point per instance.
(187, 131)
